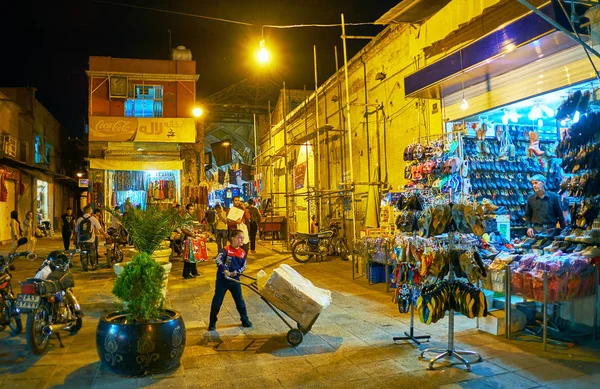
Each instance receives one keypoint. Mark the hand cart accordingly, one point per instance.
(295, 335)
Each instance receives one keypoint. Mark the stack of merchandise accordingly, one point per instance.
(293, 294)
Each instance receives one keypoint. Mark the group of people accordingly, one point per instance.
(29, 230)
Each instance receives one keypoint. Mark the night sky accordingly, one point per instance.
(46, 44)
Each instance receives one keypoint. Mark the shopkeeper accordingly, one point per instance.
(543, 209)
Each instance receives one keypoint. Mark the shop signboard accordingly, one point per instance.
(299, 172)
(126, 129)
(84, 182)
(10, 173)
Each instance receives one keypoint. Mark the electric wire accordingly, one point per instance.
(229, 20)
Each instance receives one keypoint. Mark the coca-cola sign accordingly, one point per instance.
(125, 129)
(114, 127)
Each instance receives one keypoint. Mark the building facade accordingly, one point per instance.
(323, 156)
(33, 177)
(142, 134)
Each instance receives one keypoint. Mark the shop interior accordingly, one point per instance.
(151, 187)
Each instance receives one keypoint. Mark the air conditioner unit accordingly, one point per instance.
(10, 146)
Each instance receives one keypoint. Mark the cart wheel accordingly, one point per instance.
(304, 331)
(294, 337)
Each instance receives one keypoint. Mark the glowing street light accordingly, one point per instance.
(197, 112)
(262, 55)
(79, 175)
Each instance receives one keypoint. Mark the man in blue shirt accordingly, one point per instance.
(543, 209)
(231, 262)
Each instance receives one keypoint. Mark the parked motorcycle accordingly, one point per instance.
(9, 313)
(114, 252)
(49, 302)
(324, 243)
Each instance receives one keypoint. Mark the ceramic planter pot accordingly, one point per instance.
(136, 349)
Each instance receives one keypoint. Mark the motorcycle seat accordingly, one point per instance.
(46, 286)
(320, 235)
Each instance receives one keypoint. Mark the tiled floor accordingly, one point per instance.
(350, 345)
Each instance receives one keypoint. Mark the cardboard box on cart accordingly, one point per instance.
(294, 295)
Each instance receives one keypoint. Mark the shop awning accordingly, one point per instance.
(105, 164)
(518, 43)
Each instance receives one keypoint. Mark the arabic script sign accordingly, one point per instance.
(124, 129)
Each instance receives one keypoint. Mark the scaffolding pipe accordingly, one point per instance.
(347, 82)
(287, 173)
(318, 156)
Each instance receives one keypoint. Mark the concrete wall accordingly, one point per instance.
(397, 51)
(178, 96)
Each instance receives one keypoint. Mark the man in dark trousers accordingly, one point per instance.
(68, 225)
(254, 223)
(231, 262)
(211, 219)
(543, 209)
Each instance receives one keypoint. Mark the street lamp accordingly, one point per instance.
(197, 112)
(262, 55)
(79, 175)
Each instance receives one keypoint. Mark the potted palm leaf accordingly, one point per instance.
(144, 337)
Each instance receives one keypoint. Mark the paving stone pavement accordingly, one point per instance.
(350, 345)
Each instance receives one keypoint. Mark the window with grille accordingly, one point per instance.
(146, 102)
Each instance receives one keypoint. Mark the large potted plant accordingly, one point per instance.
(145, 337)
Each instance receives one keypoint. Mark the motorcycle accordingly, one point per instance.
(114, 252)
(325, 243)
(9, 313)
(49, 302)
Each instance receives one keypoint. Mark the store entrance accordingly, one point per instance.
(42, 203)
(143, 188)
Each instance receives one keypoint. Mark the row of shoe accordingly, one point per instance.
(576, 102)
(521, 165)
(585, 184)
(436, 299)
(582, 157)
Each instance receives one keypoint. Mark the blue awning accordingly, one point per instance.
(518, 43)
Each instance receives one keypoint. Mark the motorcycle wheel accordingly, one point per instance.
(342, 250)
(298, 246)
(36, 321)
(15, 325)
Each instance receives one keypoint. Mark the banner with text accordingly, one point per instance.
(125, 129)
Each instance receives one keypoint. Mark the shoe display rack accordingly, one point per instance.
(503, 158)
(450, 351)
(408, 283)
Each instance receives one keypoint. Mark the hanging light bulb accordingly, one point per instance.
(540, 123)
(505, 117)
(563, 123)
(548, 111)
(513, 116)
(535, 113)
(464, 104)
(576, 117)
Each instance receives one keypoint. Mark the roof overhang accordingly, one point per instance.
(515, 44)
(412, 11)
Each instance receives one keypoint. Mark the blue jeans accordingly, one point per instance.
(221, 287)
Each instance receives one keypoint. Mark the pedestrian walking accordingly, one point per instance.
(211, 219)
(255, 220)
(68, 225)
(231, 262)
(86, 229)
(189, 264)
(221, 235)
(98, 215)
(29, 231)
(15, 228)
(237, 217)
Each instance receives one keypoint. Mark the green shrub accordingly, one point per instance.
(140, 286)
(148, 228)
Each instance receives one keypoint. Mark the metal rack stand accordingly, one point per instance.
(410, 335)
(450, 351)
